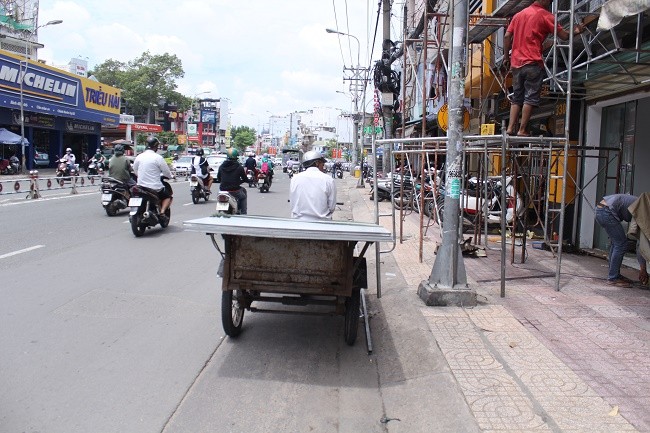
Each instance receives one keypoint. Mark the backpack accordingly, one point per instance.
(265, 167)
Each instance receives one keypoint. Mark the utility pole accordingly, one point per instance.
(447, 284)
(386, 96)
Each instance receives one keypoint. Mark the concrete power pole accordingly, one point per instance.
(387, 97)
(447, 284)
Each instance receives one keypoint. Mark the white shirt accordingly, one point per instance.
(69, 157)
(313, 195)
(148, 166)
(197, 167)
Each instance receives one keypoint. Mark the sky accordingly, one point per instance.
(268, 57)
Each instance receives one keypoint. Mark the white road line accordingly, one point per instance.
(25, 250)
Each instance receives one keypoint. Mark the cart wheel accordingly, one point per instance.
(352, 317)
(232, 312)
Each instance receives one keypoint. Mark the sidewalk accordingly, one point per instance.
(537, 360)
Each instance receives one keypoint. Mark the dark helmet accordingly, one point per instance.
(118, 149)
(311, 158)
(152, 142)
(232, 153)
(199, 152)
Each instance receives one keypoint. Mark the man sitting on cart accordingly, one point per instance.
(312, 192)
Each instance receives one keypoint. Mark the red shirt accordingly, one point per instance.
(529, 28)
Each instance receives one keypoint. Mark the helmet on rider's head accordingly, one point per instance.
(311, 158)
(199, 152)
(152, 142)
(118, 149)
(266, 155)
(68, 150)
(232, 153)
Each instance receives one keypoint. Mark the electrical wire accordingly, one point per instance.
(336, 23)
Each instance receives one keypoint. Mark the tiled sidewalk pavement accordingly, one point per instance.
(538, 359)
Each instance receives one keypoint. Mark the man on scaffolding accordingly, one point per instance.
(525, 35)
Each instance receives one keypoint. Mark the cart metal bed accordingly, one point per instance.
(293, 263)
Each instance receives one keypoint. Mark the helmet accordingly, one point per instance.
(68, 150)
(118, 150)
(266, 155)
(152, 142)
(311, 158)
(199, 152)
(232, 153)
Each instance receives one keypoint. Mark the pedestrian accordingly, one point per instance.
(312, 193)
(525, 35)
(611, 211)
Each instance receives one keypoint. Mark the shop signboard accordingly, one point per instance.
(51, 91)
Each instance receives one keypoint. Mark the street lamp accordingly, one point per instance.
(22, 75)
(355, 98)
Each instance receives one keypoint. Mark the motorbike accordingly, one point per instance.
(115, 195)
(294, 169)
(475, 203)
(95, 167)
(226, 204)
(198, 189)
(62, 169)
(145, 210)
(7, 167)
(263, 181)
(338, 171)
(250, 175)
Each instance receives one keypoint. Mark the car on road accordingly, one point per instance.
(215, 162)
(277, 162)
(41, 159)
(183, 165)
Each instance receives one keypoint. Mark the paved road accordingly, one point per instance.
(103, 332)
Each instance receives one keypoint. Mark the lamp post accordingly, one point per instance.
(21, 75)
(355, 98)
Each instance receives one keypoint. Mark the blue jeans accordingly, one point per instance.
(617, 240)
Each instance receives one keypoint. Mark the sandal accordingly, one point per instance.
(619, 282)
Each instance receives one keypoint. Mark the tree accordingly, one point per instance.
(144, 81)
(243, 137)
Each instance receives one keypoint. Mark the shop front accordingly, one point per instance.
(60, 109)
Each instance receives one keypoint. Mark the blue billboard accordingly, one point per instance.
(48, 90)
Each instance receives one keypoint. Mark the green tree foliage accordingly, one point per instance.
(243, 137)
(144, 81)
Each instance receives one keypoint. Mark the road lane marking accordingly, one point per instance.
(24, 250)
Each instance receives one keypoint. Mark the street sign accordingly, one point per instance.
(192, 129)
(443, 118)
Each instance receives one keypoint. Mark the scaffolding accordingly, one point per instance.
(546, 169)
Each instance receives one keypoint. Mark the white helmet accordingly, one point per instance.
(311, 158)
(68, 150)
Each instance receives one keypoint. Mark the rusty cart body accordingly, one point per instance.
(271, 261)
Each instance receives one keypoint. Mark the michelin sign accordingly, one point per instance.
(52, 91)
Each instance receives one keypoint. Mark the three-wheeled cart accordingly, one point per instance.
(293, 263)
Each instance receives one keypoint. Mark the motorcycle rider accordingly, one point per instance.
(312, 192)
(269, 164)
(335, 167)
(100, 160)
(149, 167)
(70, 159)
(231, 175)
(15, 162)
(201, 168)
(119, 167)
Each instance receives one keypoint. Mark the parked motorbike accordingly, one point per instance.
(263, 181)
(226, 204)
(115, 195)
(62, 169)
(476, 203)
(198, 189)
(145, 210)
(7, 167)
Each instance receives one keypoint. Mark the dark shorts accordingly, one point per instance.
(166, 192)
(527, 84)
